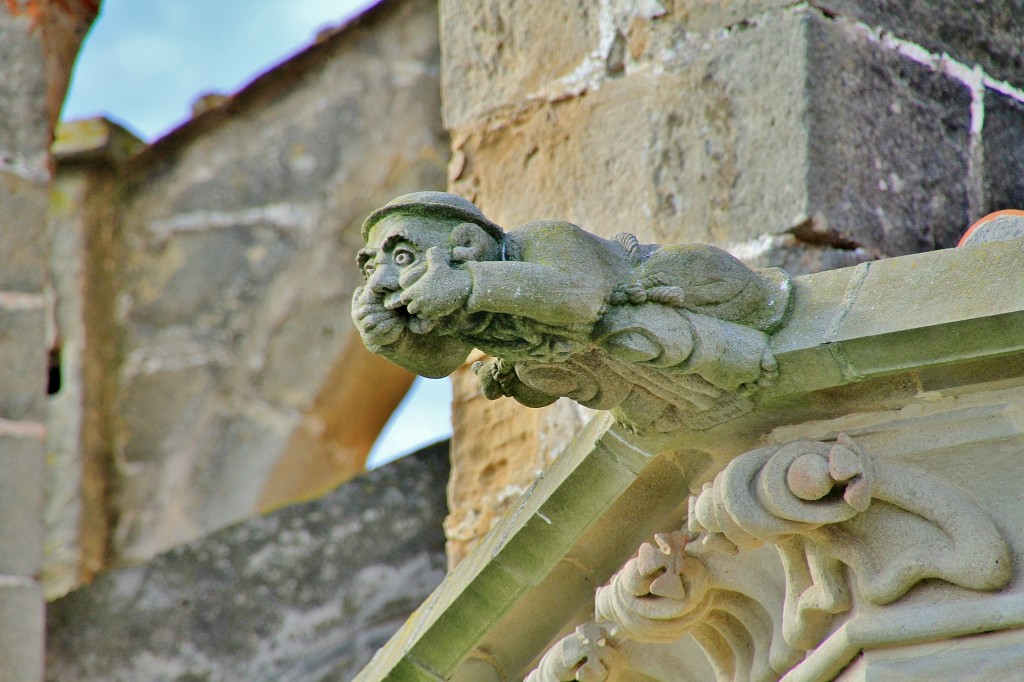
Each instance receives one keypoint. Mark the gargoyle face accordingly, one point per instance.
(395, 254)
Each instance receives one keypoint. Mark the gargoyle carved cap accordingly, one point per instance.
(433, 204)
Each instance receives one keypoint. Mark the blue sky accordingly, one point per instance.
(145, 61)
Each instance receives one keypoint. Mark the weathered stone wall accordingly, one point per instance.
(791, 135)
(306, 593)
(84, 235)
(232, 379)
(38, 42)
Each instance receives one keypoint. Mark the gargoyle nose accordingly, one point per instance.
(383, 280)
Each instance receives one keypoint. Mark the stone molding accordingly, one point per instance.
(848, 528)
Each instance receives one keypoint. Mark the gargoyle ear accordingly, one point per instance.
(470, 243)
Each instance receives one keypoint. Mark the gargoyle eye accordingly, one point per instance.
(404, 257)
(368, 270)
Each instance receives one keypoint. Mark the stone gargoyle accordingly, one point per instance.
(664, 335)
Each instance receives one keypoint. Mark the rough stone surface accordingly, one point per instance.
(22, 490)
(688, 160)
(498, 54)
(24, 129)
(306, 593)
(239, 230)
(1003, 137)
(988, 34)
(889, 144)
(22, 252)
(710, 173)
(82, 222)
(704, 15)
(23, 374)
(341, 427)
(38, 43)
(21, 630)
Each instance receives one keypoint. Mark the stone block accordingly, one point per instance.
(990, 34)
(1003, 140)
(971, 283)
(704, 15)
(889, 144)
(707, 171)
(22, 499)
(23, 373)
(497, 54)
(799, 257)
(306, 593)
(22, 239)
(24, 126)
(744, 134)
(21, 629)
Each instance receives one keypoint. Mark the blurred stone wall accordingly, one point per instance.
(307, 593)
(807, 136)
(85, 248)
(209, 366)
(38, 43)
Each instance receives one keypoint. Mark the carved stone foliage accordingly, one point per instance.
(587, 655)
(664, 335)
(846, 527)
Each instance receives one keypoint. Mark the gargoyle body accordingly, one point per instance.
(608, 323)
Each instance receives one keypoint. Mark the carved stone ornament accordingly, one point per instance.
(663, 335)
(846, 527)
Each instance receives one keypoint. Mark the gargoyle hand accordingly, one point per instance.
(439, 291)
(378, 325)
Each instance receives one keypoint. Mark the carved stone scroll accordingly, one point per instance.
(666, 593)
(845, 526)
(832, 507)
(664, 335)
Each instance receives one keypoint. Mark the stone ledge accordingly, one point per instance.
(955, 305)
(94, 140)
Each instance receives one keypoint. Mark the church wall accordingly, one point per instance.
(38, 42)
(233, 379)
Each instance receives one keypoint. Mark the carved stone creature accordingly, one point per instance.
(666, 334)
